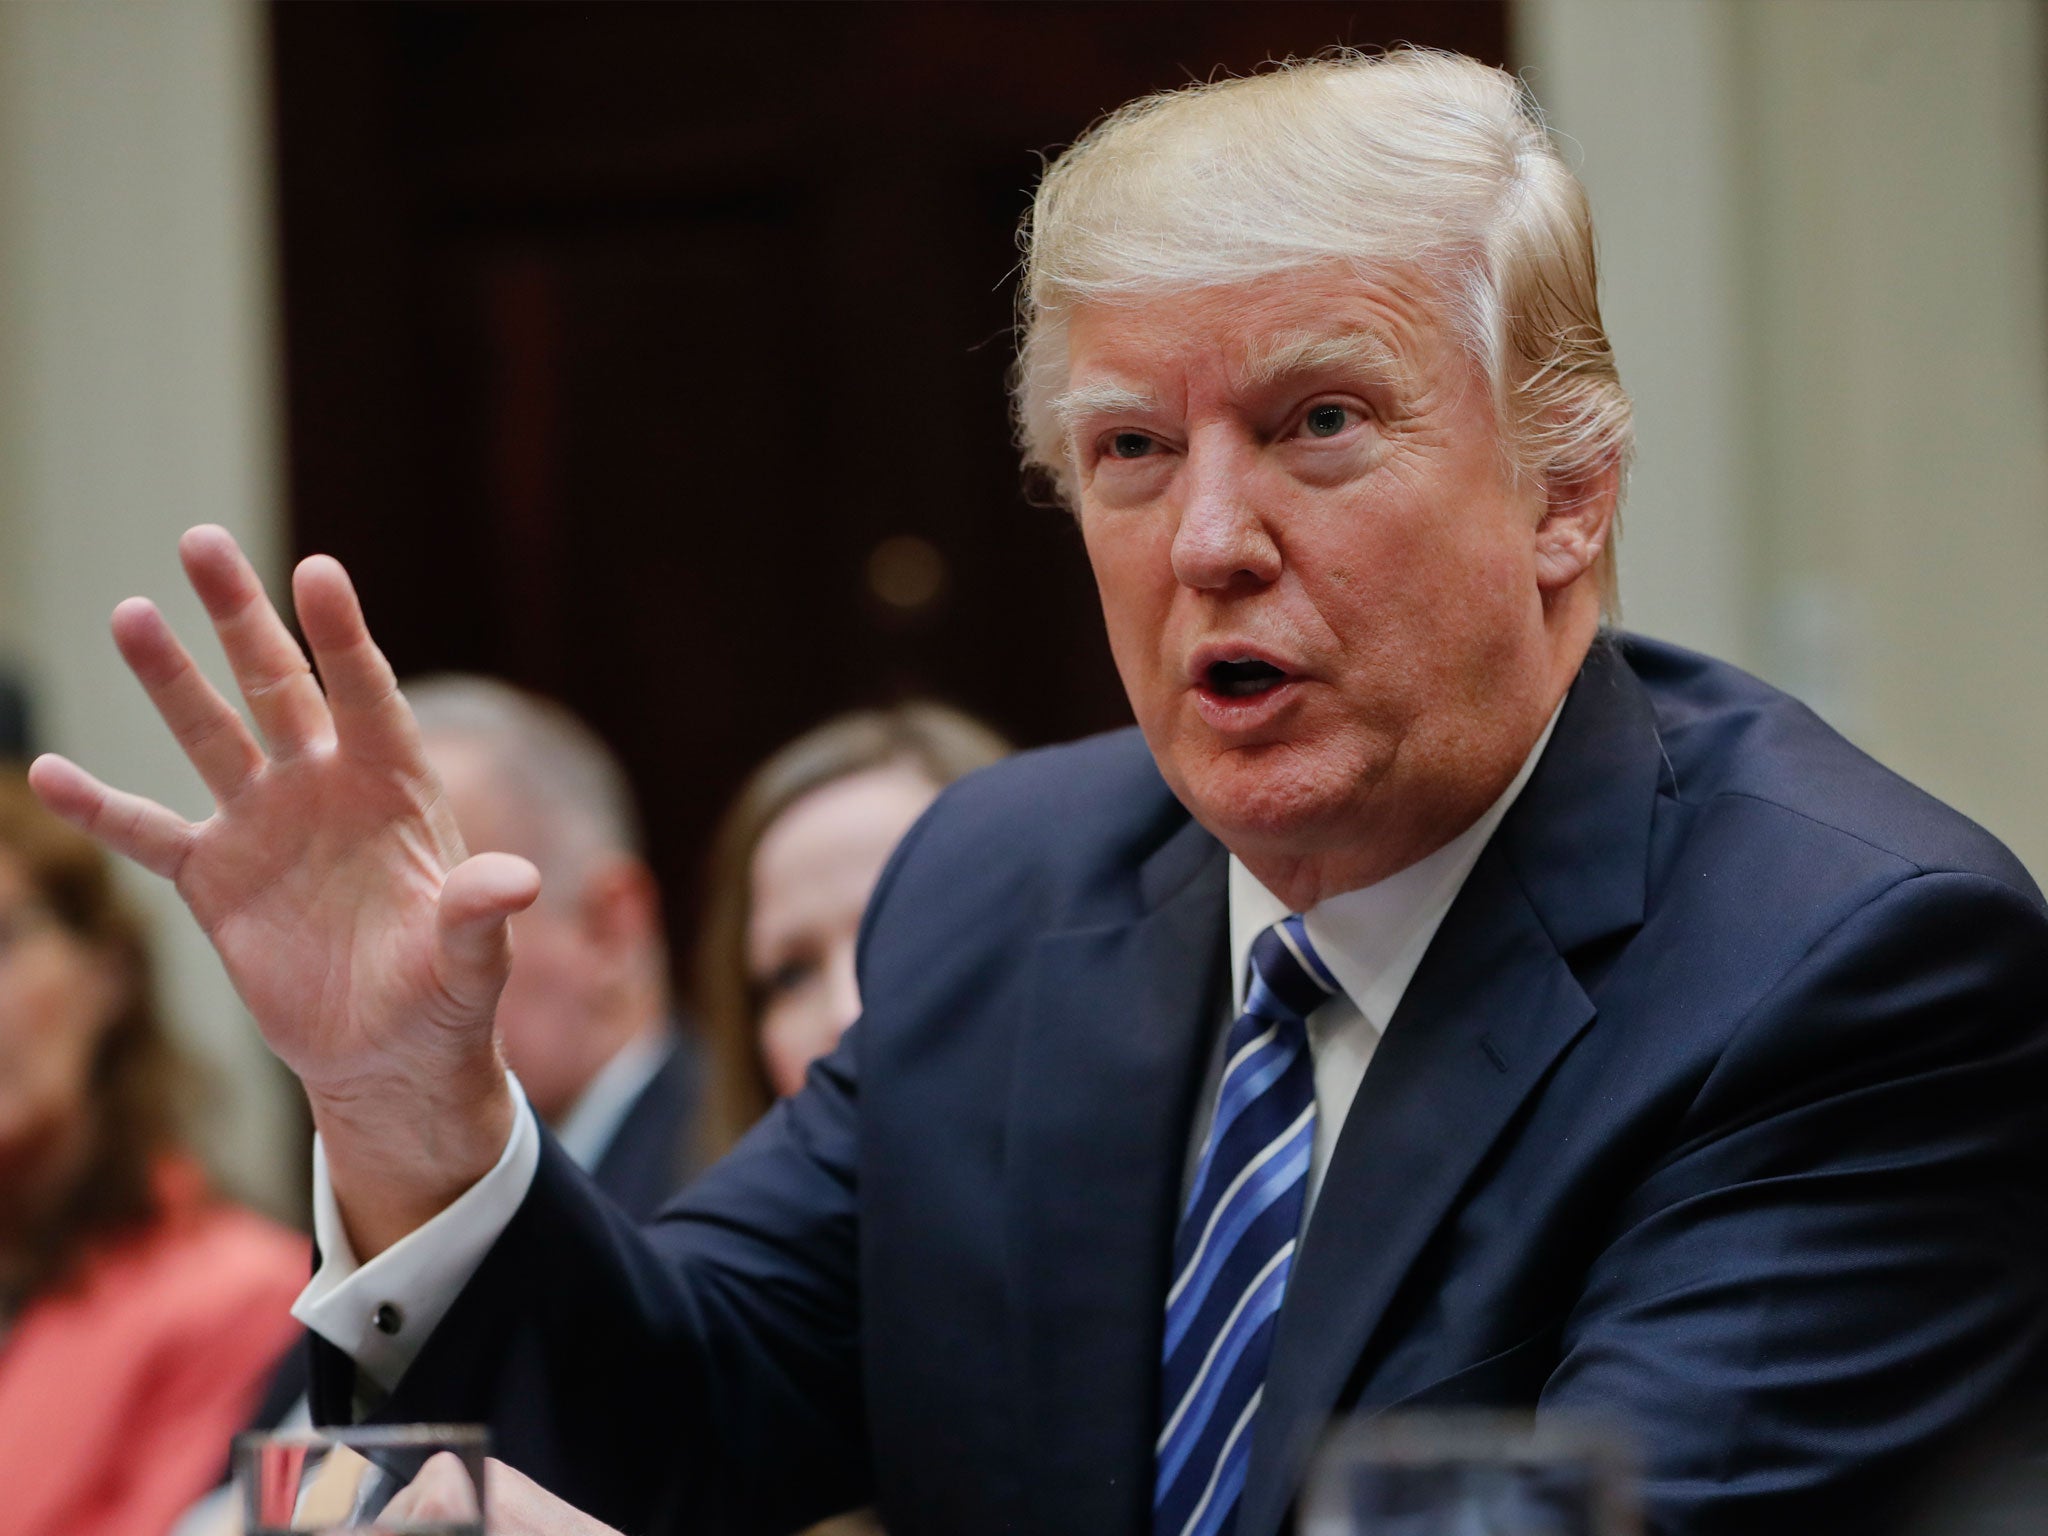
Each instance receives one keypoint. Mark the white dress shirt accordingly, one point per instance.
(586, 1132)
(381, 1313)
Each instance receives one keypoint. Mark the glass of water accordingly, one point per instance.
(1472, 1475)
(326, 1482)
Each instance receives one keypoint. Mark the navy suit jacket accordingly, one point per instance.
(1716, 1109)
(654, 1148)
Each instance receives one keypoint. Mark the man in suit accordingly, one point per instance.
(1437, 1002)
(586, 1017)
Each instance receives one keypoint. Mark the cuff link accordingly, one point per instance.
(387, 1320)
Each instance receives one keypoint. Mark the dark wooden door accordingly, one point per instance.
(652, 355)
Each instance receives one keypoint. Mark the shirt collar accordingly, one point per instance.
(1373, 938)
(587, 1130)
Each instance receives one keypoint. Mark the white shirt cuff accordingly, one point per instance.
(380, 1314)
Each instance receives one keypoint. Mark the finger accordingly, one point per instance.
(372, 719)
(404, 1506)
(477, 898)
(442, 1491)
(133, 827)
(272, 672)
(213, 737)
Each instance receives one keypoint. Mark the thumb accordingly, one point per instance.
(477, 897)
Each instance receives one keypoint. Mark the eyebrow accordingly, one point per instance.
(1289, 356)
(1074, 406)
(1285, 357)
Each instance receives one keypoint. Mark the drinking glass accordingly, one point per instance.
(1471, 1475)
(332, 1481)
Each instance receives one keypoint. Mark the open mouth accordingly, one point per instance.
(1243, 679)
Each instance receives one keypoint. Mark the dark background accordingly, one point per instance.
(620, 336)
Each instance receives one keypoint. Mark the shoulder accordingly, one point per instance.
(1747, 762)
(1809, 912)
(1058, 834)
(202, 1267)
(201, 1293)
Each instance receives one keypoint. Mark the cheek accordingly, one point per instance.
(1417, 560)
(795, 1031)
(1131, 555)
(49, 1022)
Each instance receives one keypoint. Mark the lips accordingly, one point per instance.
(1238, 687)
(1241, 679)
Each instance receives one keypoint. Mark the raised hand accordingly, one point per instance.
(330, 878)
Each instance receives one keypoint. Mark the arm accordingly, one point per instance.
(371, 952)
(379, 1314)
(332, 882)
(1841, 1265)
(708, 1361)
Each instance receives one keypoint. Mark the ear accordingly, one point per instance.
(620, 907)
(1578, 521)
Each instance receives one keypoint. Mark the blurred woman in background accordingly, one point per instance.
(792, 866)
(139, 1315)
(791, 869)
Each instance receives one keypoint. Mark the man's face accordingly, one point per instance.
(1318, 572)
(545, 1014)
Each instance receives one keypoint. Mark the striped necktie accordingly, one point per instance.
(1236, 1240)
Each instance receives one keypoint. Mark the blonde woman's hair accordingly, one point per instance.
(1407, 159)
(940, 743)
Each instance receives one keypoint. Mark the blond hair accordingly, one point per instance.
(1407, 158)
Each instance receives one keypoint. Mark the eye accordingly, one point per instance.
(1130, 445)
(787, 977)
(1327, 420)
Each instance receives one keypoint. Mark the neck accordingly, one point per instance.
(640, 1015)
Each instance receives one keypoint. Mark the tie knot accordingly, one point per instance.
(1289, 978)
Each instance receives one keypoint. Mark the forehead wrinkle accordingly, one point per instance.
(1301, 353)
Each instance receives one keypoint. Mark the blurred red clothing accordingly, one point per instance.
(120, 1389)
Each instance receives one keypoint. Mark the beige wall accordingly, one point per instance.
(136, 398)
(1825, 265)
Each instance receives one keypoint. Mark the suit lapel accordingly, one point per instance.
(1107, 1070)
(1488, 1012)
(1491, 1008)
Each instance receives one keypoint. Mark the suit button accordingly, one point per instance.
(388, 1319)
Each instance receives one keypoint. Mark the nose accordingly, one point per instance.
(1221, 540)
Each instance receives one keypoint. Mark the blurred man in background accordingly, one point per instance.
(586, 1017)
(586, 1011)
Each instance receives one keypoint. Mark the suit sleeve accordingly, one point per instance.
(1839, 1267)
(698, 1373)
(706, 1362)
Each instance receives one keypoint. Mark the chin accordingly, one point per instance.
(1271, 798)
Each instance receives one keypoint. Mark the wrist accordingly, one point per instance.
(399, 1152)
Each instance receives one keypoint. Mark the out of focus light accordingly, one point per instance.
(906, 573)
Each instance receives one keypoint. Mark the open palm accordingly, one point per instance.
(330, 877)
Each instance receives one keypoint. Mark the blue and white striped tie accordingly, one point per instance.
(1236, 1241)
